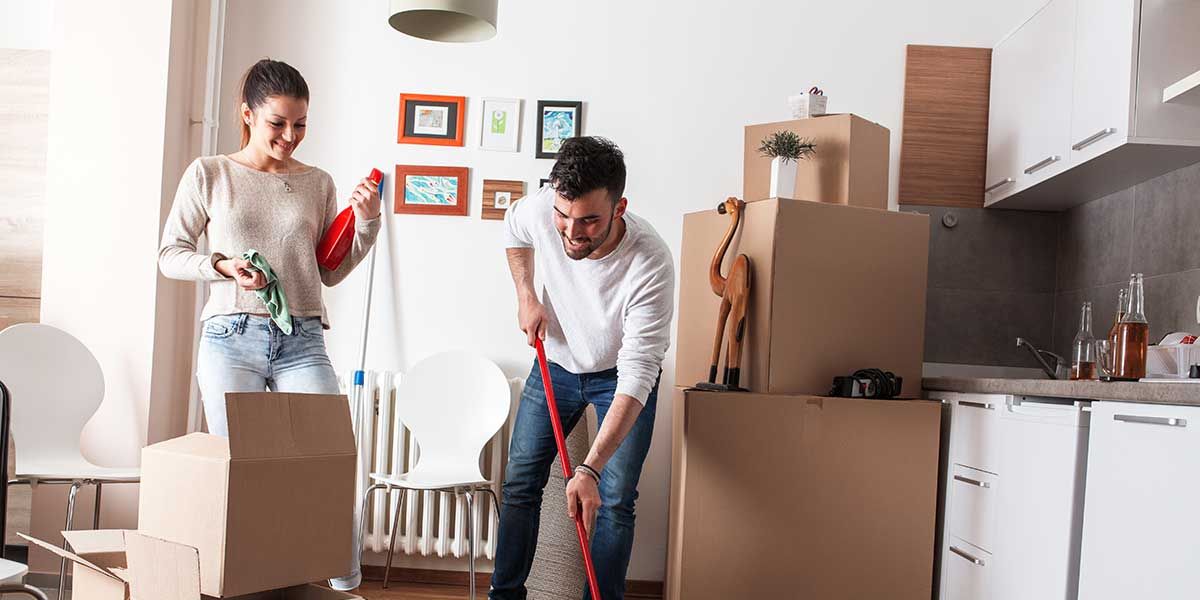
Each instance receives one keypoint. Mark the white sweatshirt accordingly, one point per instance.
(610, 312)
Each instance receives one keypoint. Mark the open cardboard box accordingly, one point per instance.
(270, 507)
(116, 564)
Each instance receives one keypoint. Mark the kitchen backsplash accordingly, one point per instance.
(1000, 274)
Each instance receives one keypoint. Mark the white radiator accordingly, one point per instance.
(433, 523)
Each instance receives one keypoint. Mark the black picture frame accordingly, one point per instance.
(577, 123)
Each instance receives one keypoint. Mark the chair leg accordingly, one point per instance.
(387, 565)
(96, 513)
(23, 589)
(62, 569)
(495, 501)
(362, 518)
(471, 540)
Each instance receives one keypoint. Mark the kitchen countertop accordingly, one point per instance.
(1131, 391)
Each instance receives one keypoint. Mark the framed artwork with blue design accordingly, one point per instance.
(558, 120)
(425, 190)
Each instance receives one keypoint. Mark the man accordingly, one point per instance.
(604, 313)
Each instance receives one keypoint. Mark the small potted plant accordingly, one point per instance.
(785, 148)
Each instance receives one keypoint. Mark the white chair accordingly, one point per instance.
(56, 386)
(453, 403)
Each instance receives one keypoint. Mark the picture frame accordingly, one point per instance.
(498, 196)
(431, 190)
(431, 120)
(557, 120)
(500, 124)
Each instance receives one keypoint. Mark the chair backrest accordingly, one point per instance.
(453, 403)
(56, 386)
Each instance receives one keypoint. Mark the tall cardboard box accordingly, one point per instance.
(834, 289)
(126, 565)
(792, 496)
(271, 507)
(850, 165)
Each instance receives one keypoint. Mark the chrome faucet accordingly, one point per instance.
(1059, 362)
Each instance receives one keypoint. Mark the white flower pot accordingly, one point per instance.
(783, 178)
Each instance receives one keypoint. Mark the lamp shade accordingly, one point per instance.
(445, 20)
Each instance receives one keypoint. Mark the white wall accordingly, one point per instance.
(26, 23)
(672, 82)
(120, 86)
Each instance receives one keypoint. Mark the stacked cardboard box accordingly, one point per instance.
(781, 492)
(260, 514)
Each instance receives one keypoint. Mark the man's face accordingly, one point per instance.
(586, 222)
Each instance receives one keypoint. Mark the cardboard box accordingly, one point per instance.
(803, 497)
(834, 289)
(269, 508)
(850, 165)
(125, 565)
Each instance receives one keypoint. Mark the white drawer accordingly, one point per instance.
(969, 572)
(975, 431)
(973, 506)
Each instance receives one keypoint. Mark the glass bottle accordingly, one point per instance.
(1083, 357)
(1106, 362)
(1132, 336)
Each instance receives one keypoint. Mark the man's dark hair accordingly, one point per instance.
(586, 164)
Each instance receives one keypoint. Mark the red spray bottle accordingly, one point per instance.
(337, 241)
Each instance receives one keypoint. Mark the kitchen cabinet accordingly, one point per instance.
(1013, 497)
(1140, 521)
(1089, 97)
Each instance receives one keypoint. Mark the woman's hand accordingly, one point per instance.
(240, 270)
(365, 200)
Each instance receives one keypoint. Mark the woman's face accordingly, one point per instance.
(277, 126)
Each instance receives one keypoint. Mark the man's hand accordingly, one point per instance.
(583, 493)
(531, 316)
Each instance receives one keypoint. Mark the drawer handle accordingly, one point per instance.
(963, 554)
(974, 482)
(1001, 183)
(1092, 139)
(1042, 164)
(983, 405)
(1169, 421)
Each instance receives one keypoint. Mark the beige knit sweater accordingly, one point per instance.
(241, 208)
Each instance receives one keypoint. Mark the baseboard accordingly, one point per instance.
(647, 590)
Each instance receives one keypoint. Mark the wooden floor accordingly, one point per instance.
(373, 590)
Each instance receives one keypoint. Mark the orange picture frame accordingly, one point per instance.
(422, 190)
(432, 120)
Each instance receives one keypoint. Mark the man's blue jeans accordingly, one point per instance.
(530, 456)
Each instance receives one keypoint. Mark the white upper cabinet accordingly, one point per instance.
(1077, 101)
(1104, 54)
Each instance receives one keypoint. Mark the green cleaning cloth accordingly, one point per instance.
(272, 293)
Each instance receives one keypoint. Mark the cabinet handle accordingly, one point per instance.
(959, 552)
(1169, 421)
(983, 405)
(1095, 137)
(1042, 164)
(974, 482)
(1001, 183)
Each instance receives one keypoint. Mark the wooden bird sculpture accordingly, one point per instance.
(735, 296)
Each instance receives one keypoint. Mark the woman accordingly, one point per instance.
(261, 198)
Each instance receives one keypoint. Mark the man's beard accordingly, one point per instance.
(580, 253)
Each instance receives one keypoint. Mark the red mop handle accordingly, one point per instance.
(561, 441)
